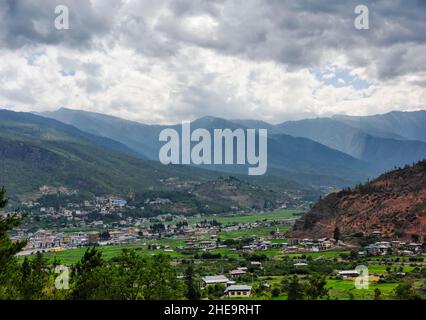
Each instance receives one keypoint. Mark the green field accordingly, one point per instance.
(246, 233)
(72, 256)
(345, 290)
(315, 255)
(278, 215)
(381, 268)
(249, 218)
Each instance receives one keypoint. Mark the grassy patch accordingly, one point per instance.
(345, 290)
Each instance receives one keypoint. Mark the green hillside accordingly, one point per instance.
(36, 151)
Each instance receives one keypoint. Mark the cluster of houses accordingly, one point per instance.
(194, 243)
(95, 213)
(379, 248)
(232, 290)
(47, 240)
(103, 205)
(204, 237)
(383, 248)
(44, 240)
(200, 236)
(48, 190)
(259, 244)
(311, 245)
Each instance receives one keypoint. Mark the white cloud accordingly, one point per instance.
(169, 61)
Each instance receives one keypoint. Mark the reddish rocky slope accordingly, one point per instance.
(394, 204)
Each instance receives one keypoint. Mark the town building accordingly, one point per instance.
(215, 279)
(238, 291)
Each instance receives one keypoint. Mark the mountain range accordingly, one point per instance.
(103, 153)
(339, 151)
(36, 151)
(381, 152)
(296, 158)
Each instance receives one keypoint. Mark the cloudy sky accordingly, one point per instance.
(165, 61)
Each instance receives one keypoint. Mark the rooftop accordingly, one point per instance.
(215, 279)
(238, 288)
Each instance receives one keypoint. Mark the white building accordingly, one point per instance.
(215, 279)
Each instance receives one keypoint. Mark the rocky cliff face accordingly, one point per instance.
(394, 204)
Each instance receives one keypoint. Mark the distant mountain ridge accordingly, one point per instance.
(31, 126)
(302, 160)
(132, 134)
(408, 125)
(382, 153)
(384, 141)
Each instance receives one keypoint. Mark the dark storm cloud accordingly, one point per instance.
(25, 22)
(295, 33)
(301, 33)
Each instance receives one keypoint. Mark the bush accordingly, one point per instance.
(276, 292)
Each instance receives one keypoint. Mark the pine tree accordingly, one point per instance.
(7, 248)
(377, 294)
(293, 288)
(336, 234)
(316, 287)
(192, 291)
(9, 276)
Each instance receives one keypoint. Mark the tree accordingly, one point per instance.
(7, 248)
(215, 291)
(415, 238)
(131, 277)
(34, 278)
(336, 234)
(161, 280)
(104, 235)
(84, 274)
(315, 288)
(192, 288)
(405, 291)
(276, 292)
(353, 255)
(377, 294)
(9, 275)
(293, 288)
(158, 227)
(181, 225)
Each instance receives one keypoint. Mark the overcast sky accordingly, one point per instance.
(164, 61)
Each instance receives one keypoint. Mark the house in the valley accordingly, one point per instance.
(300, 265)
(237, 272)
(349, 273)
(256, 263)
(238, 291)
(415, 247)
(215, 279)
